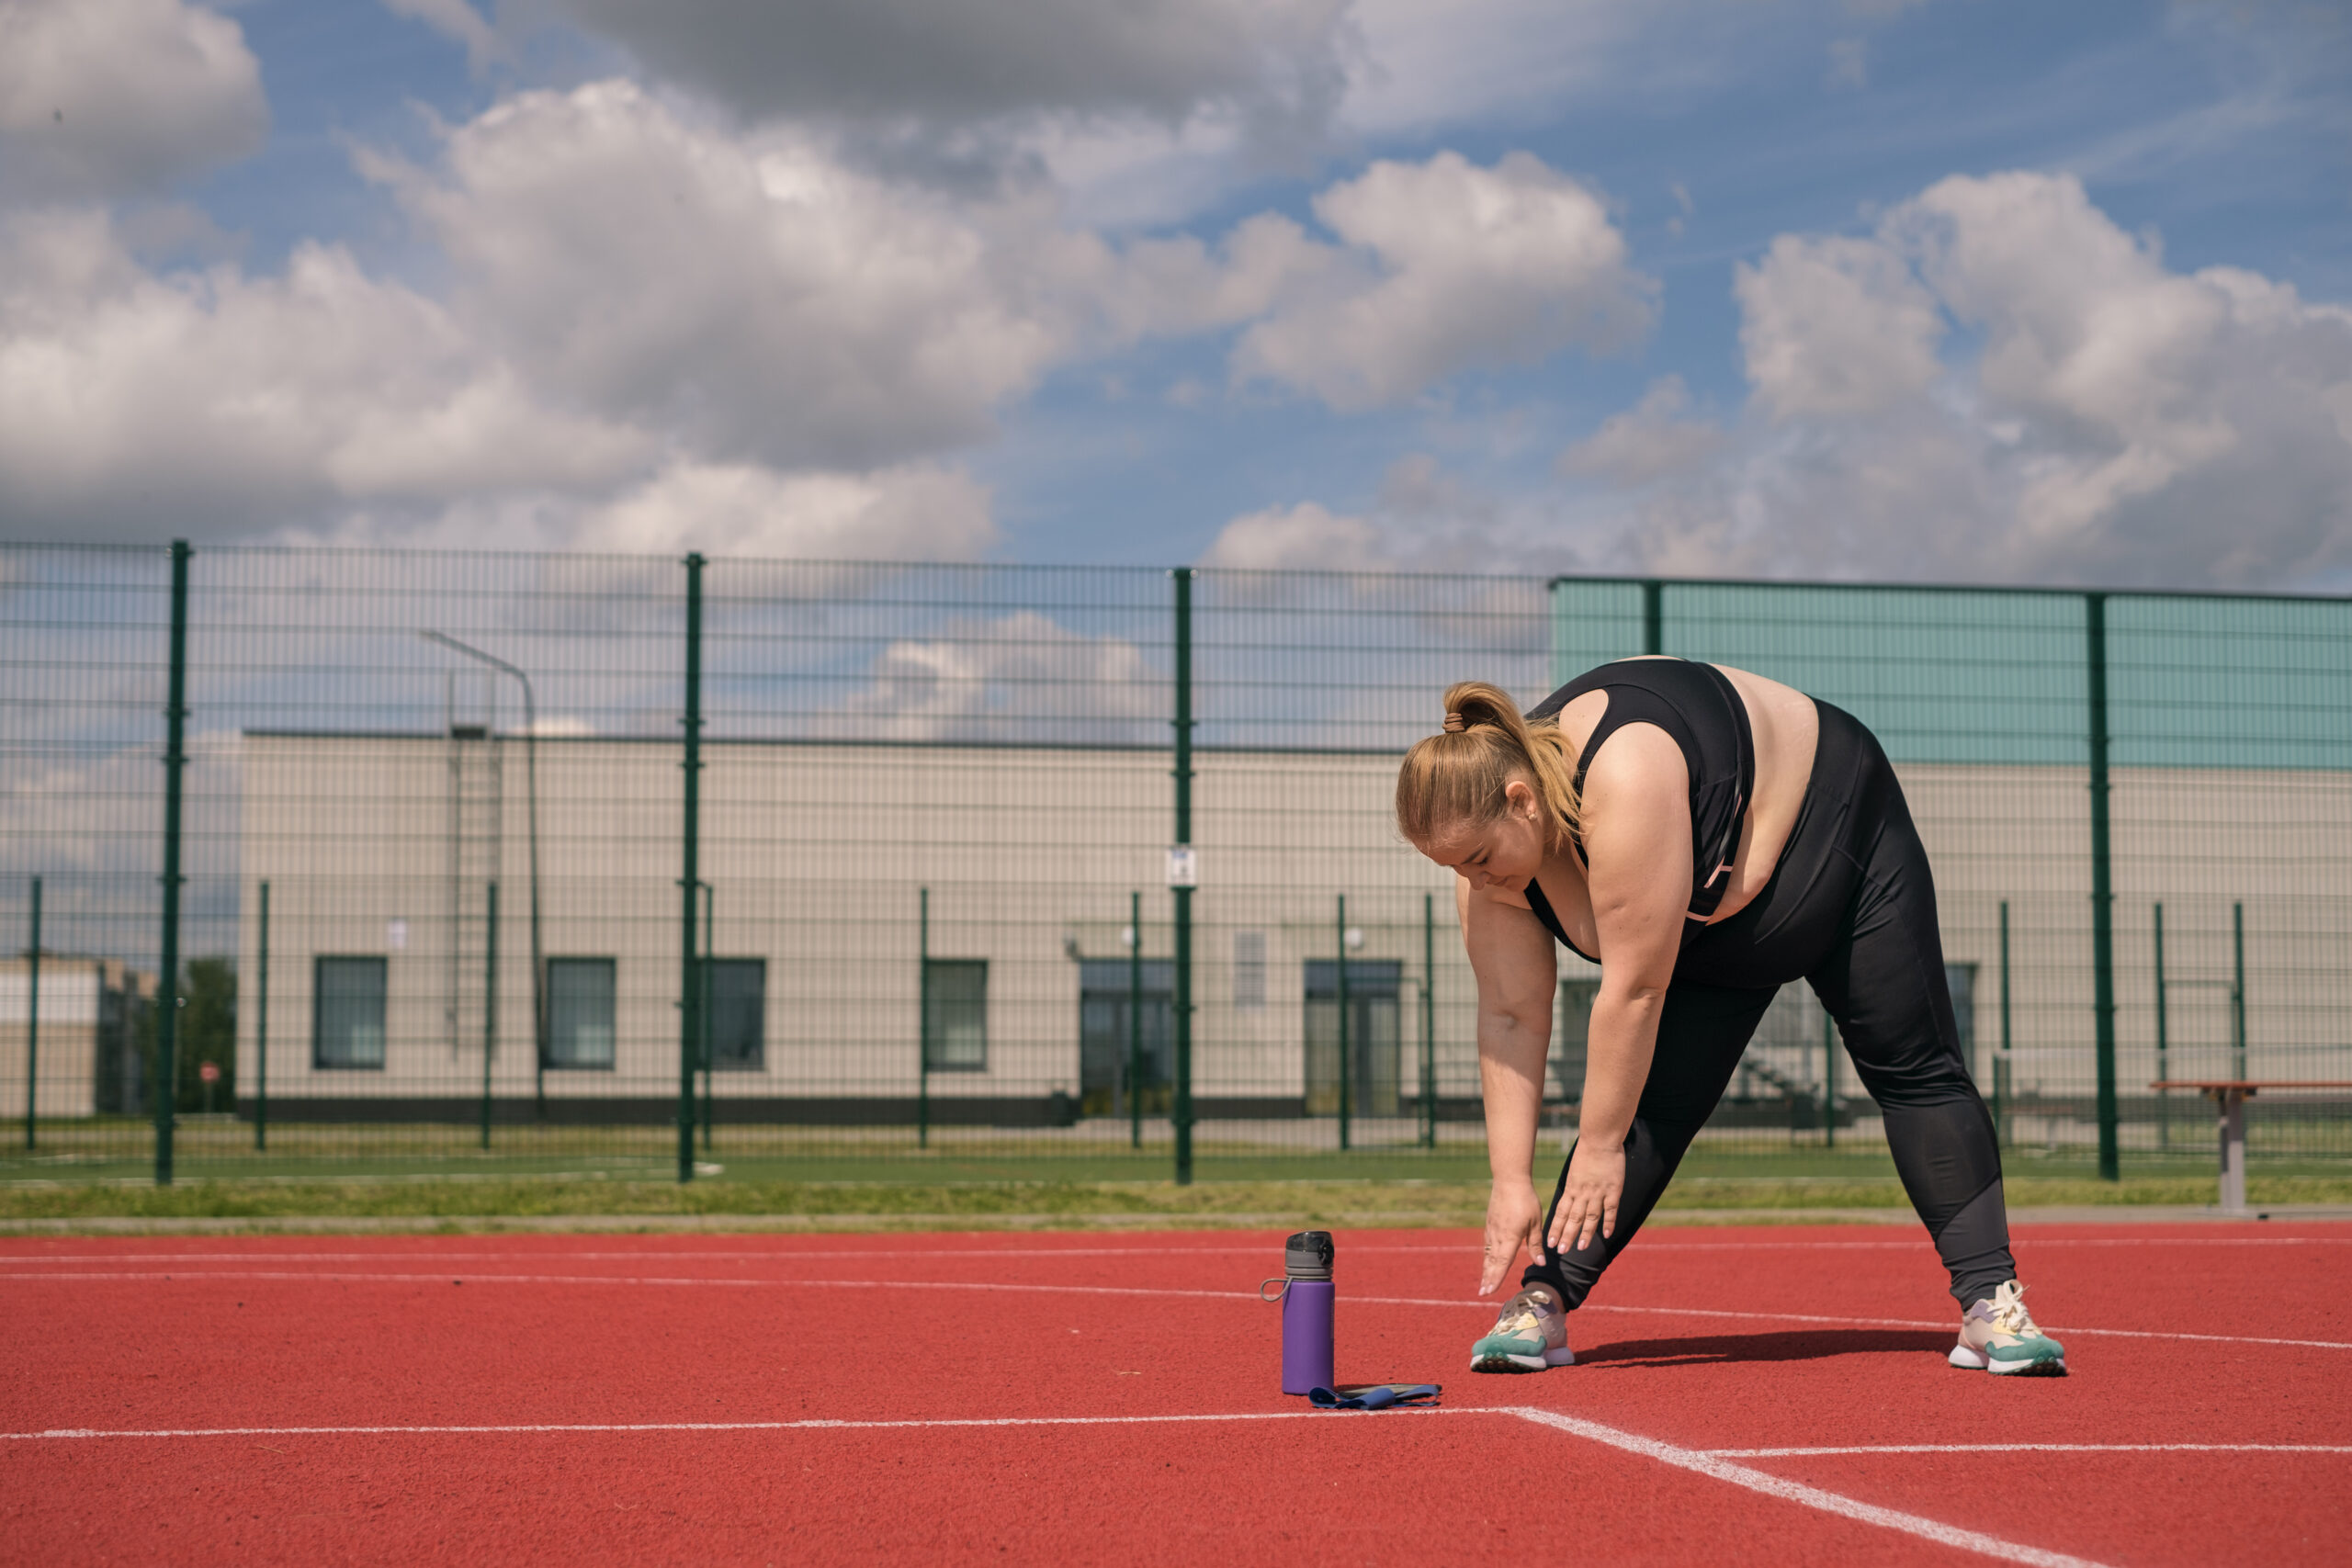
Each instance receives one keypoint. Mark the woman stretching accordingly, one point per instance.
(1706, 836)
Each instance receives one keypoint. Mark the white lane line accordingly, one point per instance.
(1984, 1449)
(2056, 1329)
(348, 1277)
(294, 1276)
(949, 1255)
(685, 1255)
(56, 1433)
(1714, 1464)
(1719, 1469)
(676, 1256)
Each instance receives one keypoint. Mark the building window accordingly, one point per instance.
(738, 1001)
(1249, 971)
(1107, 1055)
(580, 1012)
(956, 1025)
(347, 1013)
(1373, 1040)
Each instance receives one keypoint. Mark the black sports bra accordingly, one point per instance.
(1699, 708)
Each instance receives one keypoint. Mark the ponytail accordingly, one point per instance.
(1459, 775)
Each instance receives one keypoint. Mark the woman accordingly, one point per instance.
(1706, 836)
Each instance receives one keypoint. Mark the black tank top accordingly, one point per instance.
(1699, 708)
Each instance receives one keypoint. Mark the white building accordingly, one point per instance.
(85, 1057)
(834, 868)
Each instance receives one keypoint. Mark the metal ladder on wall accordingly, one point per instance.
(476, 794)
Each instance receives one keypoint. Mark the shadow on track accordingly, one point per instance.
(1791, 1345)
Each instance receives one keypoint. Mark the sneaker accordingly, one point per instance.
(1999, 1336)
(1531, 1334)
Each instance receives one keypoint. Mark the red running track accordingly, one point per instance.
(819, 1399)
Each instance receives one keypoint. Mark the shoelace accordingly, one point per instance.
(1520, 1316)
(2010, 1318)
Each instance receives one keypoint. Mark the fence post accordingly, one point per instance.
(32, 1018)
(1653, 616)
(2237, 992)
(2102, 892)
(1429, 1020)
(2001, 1069)
(261, 1034)
(923, 1025)
(1135, 1021)
(1181, 1002)
(1344, 1064)
(1828, 1080)
(690, 876)
(709, 970)
(167, 1071)
(2163, 1040)
(489, 1003)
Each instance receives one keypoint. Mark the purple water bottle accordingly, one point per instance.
(1307, 1311)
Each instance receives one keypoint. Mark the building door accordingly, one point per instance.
(1372, 1036)
(1105, 1044)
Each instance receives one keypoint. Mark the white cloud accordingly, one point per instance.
(1835, 325)
(324, 403)
(2107, 419)
(1180, 286)
(1455, 267)
(944, 62)
(912, 513)
(647, 308)
(457, 20)
(1023, 677)
(918, 512)
(657, 332)
(1424, 66)
(1423, 518)
(112, 98)
(2154, 404)
(218, 402)
(1304, 538)
(754, 293)
(1646, 443)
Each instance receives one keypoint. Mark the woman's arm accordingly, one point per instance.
(1511, 954)
(1637, 831)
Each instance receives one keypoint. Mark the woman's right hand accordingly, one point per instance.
(1514, 1219)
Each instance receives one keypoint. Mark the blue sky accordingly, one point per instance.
(1859, 289)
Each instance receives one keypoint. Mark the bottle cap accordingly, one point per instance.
(1307, 1256)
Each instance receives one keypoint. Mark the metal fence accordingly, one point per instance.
(558, 863)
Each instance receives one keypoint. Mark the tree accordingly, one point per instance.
(208, 1032)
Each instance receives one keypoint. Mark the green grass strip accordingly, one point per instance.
(1071, 1205)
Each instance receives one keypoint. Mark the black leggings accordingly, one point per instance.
(1851, 911)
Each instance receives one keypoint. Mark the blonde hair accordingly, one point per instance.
(1459, 775)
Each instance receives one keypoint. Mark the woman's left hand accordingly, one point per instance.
(1588, 1201)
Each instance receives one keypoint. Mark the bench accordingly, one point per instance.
(2230, 1096)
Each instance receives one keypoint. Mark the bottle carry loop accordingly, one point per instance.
(1281, 1279)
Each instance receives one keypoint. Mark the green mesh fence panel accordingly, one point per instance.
(2230, 730)
(933, 798)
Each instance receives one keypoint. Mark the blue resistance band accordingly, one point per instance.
(1373, 1396)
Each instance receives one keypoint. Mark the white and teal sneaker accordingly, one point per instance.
(1531, 1334)
(1998, 1335)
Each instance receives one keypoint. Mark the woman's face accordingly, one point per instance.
(1506, 852)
